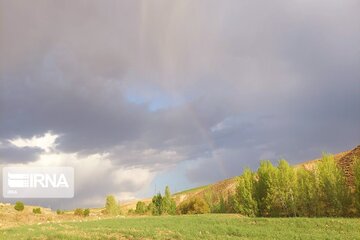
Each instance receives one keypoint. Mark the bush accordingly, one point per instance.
(36, 210)
(195, 205)
(19, 206)
(140, 207)
(79, 212)
(59, 212)
(86, 212)
(112, 206)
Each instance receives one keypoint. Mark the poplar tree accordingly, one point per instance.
(169, 205)
(307, 193)
(111, 205)
(282, 193)
(334, 193)
(266, 176)
(245, 200)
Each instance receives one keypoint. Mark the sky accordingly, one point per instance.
(139, 94)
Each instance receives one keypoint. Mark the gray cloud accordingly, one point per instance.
(154, 84)
(11, 155)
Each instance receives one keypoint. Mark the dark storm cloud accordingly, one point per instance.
(156, 83)
(11, 154)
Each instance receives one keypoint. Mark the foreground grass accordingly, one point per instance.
(192, 227)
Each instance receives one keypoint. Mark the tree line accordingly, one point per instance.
(275, 191)
(285, 191)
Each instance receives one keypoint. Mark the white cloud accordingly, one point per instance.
(45, 142)
(96, 176)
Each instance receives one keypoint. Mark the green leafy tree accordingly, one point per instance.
(245, 202)
(334, 193)
(266, 175)
(282, 193)
(357, 183)
(307, 199)
(19, 206)
(112, 206)
(231, 203)
(169, 205)
(157, 202)
(140, 208)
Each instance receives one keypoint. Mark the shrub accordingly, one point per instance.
(59, 212)
(19, 206)
(112, 206)
(36, 210)
(79, 212)
(195, 205)
(140, 208)
(86, 212)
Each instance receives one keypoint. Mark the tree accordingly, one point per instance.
(111, 205)
(230, 203)
(140, 207)
(266, 175)
(169, 205)
(157, 205)
(245, 202)
(357, 183)
(307, 199)
(282, 193)
(19, 206)
(334, 193)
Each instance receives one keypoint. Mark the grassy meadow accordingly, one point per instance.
(209, 226)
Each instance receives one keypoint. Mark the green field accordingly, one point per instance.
(192, 227)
